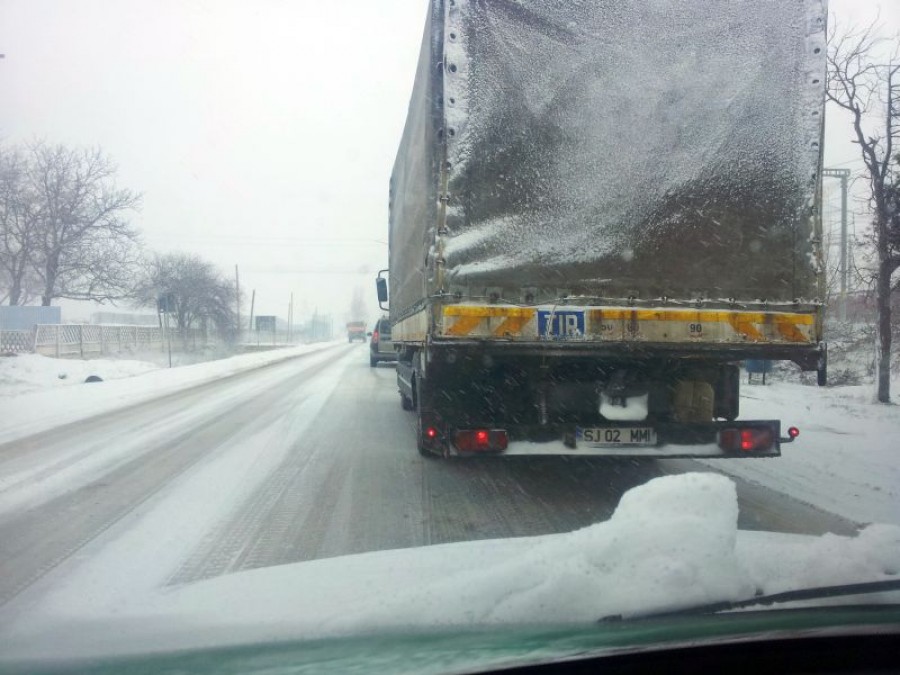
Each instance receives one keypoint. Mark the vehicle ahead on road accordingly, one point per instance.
(381, 347)
(573, 276)
(356, 330)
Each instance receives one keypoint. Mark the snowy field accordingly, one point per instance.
(26, 373)
(38, 393)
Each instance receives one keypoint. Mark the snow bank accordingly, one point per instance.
(23, 373)
(671, 543)
(36, 411)
(846, 460)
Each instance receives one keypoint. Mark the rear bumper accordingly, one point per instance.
(673, 441)
(807, 356)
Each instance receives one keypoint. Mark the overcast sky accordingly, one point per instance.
(260, 132)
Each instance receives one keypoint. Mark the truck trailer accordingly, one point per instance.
(597, 212)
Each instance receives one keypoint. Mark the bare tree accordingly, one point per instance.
(18, 217)
(869, 91)
(201, 295)
(84, 247)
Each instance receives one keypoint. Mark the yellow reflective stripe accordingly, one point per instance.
(511, 326)
(788, 331)
(744, 325)
(464, 325)
(709, 316)
(469, 317)
(466, 319)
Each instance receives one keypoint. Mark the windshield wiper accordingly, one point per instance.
(817, 593)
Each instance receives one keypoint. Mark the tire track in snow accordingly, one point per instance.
(348, 485)
(37, 540)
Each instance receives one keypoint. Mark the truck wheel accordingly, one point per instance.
(373, 362)
(425, 448)
(420, 440)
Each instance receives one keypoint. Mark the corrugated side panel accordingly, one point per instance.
(415, 180)
(631, 149)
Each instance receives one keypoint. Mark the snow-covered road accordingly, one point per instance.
(304, 459)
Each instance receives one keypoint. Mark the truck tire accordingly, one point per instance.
(421, 414)
(373, 362)
(420, 440)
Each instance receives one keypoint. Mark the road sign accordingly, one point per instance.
(165, 303)
(265, 323)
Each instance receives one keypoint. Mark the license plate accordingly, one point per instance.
(605, 437)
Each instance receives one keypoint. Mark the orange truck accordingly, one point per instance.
(356, 330)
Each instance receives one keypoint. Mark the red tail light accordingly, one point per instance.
(374, 337)
(747, 439)
(475, 440)
(793, 432)
(431, 432)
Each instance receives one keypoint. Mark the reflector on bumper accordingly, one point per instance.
(480, 440)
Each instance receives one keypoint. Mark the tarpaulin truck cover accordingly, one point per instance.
(612, 152)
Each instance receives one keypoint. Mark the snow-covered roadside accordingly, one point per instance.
(26, 373)
(671, 543)
(847, 458)
(28, 413)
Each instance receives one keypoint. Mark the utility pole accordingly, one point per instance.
(252, 303)
(291, 319)
(237, 287)
(844, 175)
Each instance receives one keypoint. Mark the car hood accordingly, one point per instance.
(671, 544)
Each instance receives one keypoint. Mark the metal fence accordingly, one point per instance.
(86, 339)
(80, 339)
(16, 341)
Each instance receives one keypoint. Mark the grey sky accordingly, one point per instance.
(261, 132)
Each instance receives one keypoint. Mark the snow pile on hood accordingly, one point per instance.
(829, 560)
(672, 543)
